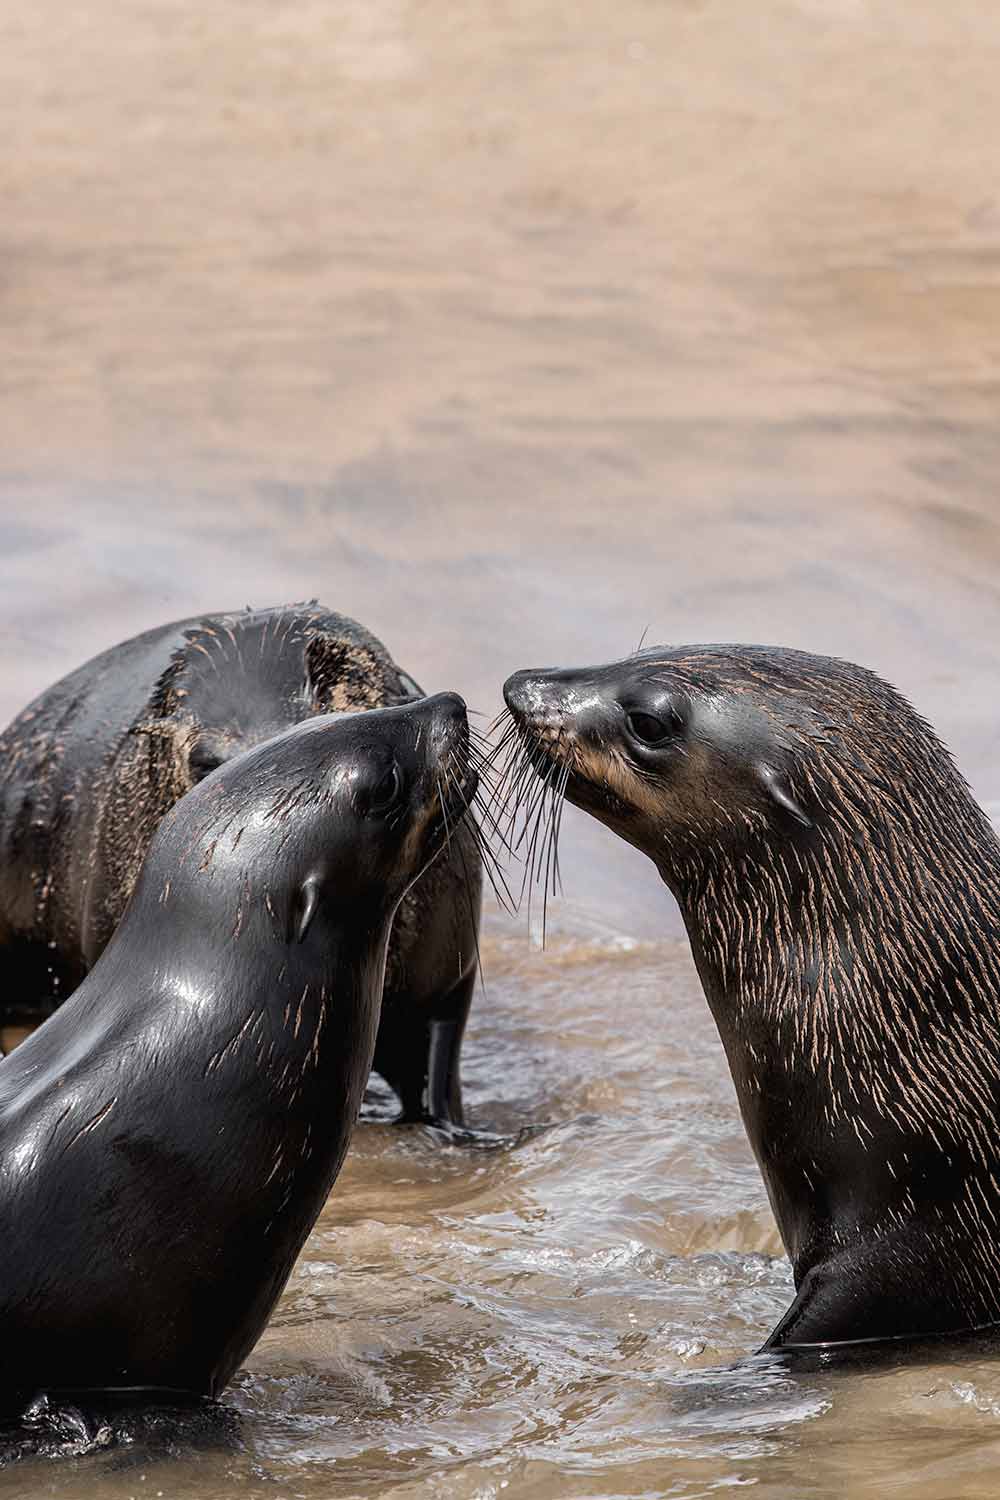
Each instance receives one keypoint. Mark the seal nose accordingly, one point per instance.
(446, 709)
(529, 692)
(450, 740)
(448, 720)
(556, 700)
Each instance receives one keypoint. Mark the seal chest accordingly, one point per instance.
(170, 1135)
(841, 891)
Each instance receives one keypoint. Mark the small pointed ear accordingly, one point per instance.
(306, 906)
(777, 788)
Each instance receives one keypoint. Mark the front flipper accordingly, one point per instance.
(418, 1055)
(897, 1288)
(812, 1317)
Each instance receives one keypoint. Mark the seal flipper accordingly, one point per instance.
(858, 1297)
(419, 1056)
(808, 1320)
(849, 1300)
(444, 1084)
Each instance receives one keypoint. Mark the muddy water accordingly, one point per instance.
(514, 329)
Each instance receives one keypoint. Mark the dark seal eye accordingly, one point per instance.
(648, 729)
(202, 760)
(386, 791)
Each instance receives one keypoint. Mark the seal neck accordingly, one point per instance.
(852, 970)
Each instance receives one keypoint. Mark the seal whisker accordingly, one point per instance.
(488, 856)
(542, 766)
(558, 803)
(469, 895)
(551, 838)
(490, 862)
(500, 791)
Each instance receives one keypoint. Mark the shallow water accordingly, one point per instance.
(570, 1316)
(515, 329)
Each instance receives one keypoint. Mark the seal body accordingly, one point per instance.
(841, 890)
(88, 770)
(169, 1136)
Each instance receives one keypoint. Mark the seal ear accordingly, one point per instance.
(306, 906)
(775, 783)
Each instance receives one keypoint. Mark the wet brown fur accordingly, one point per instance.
(850, 957)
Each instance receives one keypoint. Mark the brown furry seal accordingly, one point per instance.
(169, 1136)
(841, 890)
(89, 769)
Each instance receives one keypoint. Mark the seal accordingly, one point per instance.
(841, 891)
(169, 1136)
(89, 768)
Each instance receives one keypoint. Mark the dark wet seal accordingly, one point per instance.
(169, 1136)
(89, 768)
(841, 891)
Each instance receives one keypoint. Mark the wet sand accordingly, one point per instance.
(516, 330)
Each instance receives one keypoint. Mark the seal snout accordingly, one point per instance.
(548, 704)
(449, 739)
(449, 722)
(536, 699)
(524, 691)
(447, 709)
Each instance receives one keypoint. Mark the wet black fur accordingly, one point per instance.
(169, 1136)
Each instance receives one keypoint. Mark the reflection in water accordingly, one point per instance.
(513, 330)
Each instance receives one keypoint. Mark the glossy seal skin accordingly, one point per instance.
(841, 891)
(169, 1136)
(88, 770)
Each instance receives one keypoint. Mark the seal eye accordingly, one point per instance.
(648, 729)
(202, 761)
(386, 791)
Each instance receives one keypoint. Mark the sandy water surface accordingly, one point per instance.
(514, 328)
